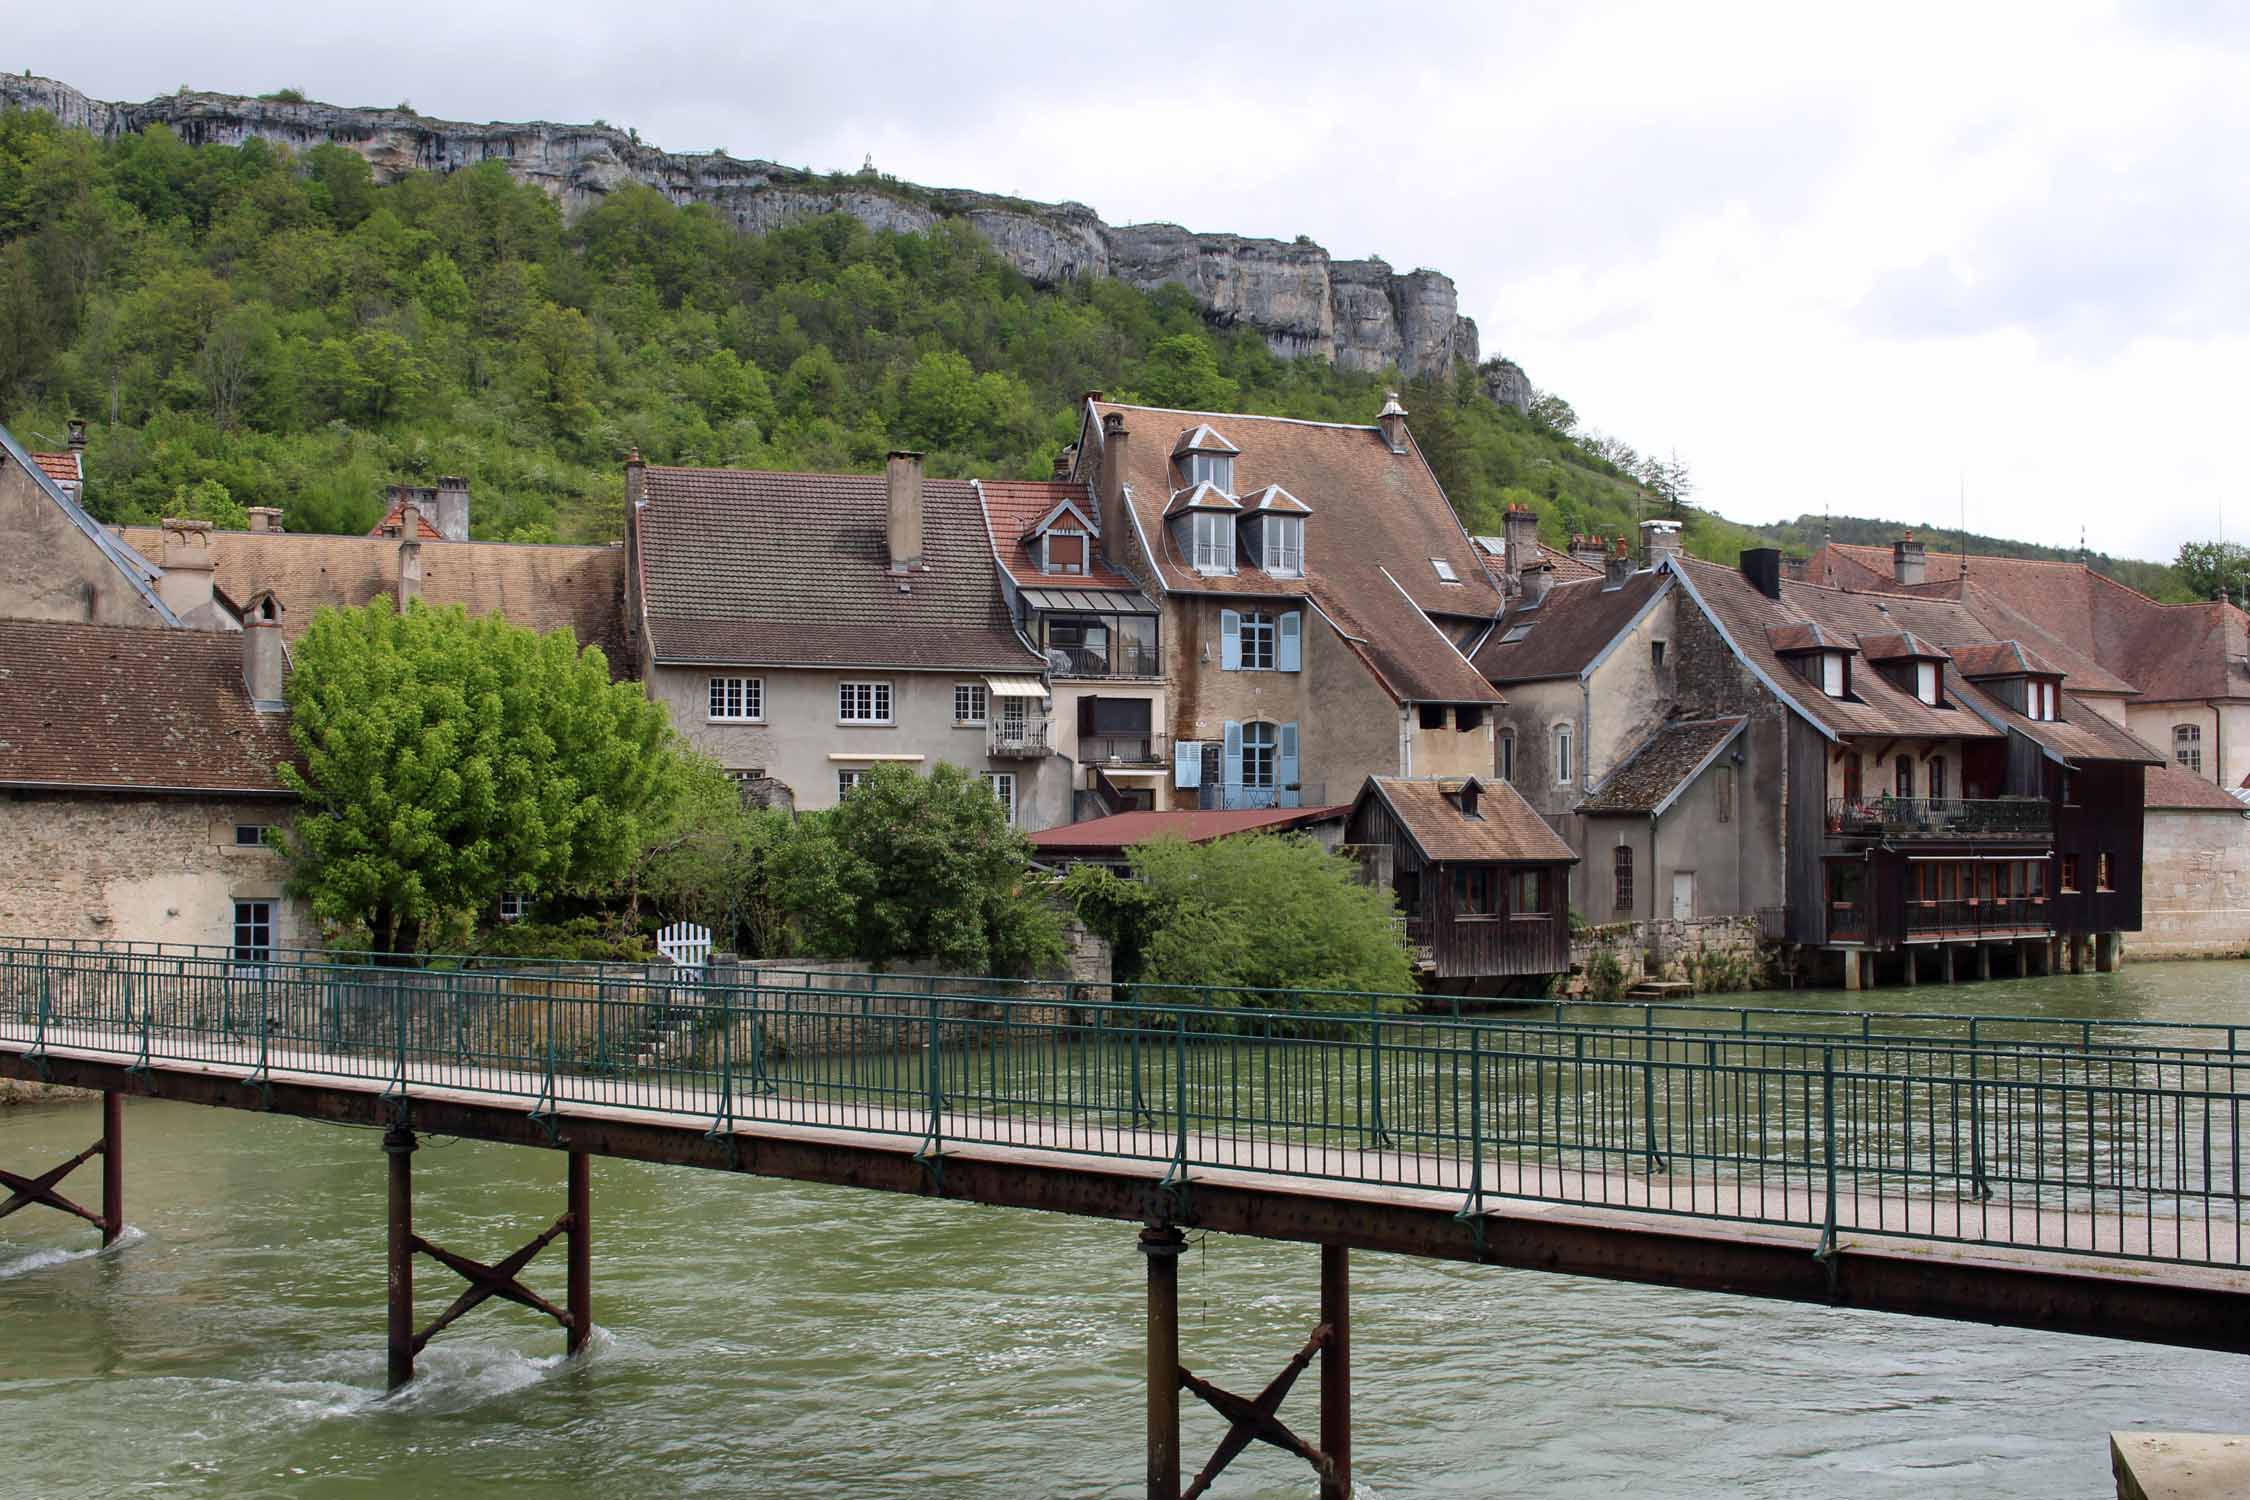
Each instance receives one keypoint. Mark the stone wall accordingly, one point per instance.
(2195, 885)
(1667, 949)
(51, 570)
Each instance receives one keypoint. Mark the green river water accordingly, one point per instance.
(770, 1339)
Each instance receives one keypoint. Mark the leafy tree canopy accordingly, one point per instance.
(449, 759)
(918, 867)
(1256, 911)
(2205, 568)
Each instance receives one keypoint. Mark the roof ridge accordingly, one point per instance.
(1240, 416)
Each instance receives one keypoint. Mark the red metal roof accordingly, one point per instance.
(1122, 830)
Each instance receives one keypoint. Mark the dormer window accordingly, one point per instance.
(1063, 552)
(1214, 469)
(2042, 695)
(1278, 544)
(1926, 682)
(1211, 541)
(1835, 674)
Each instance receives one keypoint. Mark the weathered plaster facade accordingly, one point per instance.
(2222, 733)
(2195, 884)
(51, 570)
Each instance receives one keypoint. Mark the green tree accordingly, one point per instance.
(208, 500)
(1255, 911)
(1183, 371)
(2204, 568)
(919, 867)
(448, 759)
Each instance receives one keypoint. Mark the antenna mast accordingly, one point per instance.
(1961, 536)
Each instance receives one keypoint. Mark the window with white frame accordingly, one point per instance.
(1925, 681)
(1564, 760)
(249, 835)
(1832, 673)
(971, 704)
(511, 906)
(863, 702)
(1283, 546)
(1216, 469)
(1063, 552)
(253, 931)
(2187, 747)
(1211, 542)
(2041, 697)
(737, 700)
(1259, 742)
(848, 781)
(1257, 642)
(1445, 571)
(1003, 784)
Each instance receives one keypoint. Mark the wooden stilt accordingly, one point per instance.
(1336, 1372)
(580, 1296)
(1162, 1248)
(398, 1144)
(113, 1166)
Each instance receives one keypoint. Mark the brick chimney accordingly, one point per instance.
(904, 486)
(261, 652)
(1537, 579)
(1659, 540)
(1393, 422)
(409, 555)
(264, 519)
(1908, 562)
(186, 585)
(452, 519)
(1520, 529)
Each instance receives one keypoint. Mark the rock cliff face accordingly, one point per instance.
(1358, 313)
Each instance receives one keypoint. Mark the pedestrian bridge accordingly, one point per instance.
(2079, 1176)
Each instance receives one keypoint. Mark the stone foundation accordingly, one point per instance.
(1709, 952)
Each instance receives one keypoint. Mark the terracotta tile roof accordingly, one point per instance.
(1661, 766)
(1123, 830)
(579, 589)
(1378, 520)
(1568, 569)
(2170, 788)
(1574, 624)
(62, 468)
(2001, 659)
(747, 566)
(1796, 636)
(125, 707)
(1012, 506)
(395, 518)
(1505, 827)
(1903, 645)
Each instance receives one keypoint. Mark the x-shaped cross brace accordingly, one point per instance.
(25, 1191)
(1255, 1420)
(491, 1281)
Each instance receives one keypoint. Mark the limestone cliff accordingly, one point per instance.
(1358, 313)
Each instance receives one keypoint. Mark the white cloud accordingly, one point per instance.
(1829, 256)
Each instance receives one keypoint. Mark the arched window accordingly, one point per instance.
(1259, 740)
(1563, 759)
(2187, 747)
(1622, 868)
(1507, 755)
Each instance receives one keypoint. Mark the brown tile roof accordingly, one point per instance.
(742, 565)
(1012, 506)
(1793, 637)
(394, 520)
(1505, 827)
(107, 706)
(2001, 659)
(1568, 569)
(2163, 652)
(2170, 788)
(1905, 645)
(1378, 519)
(579, 589)
(1661, 766)
(1575, 623)
(62, 468)
(1125, 829)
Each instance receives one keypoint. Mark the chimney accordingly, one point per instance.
(1590, 550)
(409, 567)
(77, 429)
(904, 477)
(452, 520)
(264, 519)
(1093, 396)
(1065, 461)
(1616, 570)
(262, 653)
(636, 480)
(1537, 579)
(186, 584)
(1908, 564)
(1393, 422)
(1659, 540)
(1112, 486)
(1762, 566)
(1520, 528)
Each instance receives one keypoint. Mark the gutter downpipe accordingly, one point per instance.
(2218, 745)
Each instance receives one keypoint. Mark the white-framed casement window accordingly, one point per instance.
(2187, 747)
(1283, 546)
(737, 700)
(2041, 699)
(971, 703)
(1832, 673)
(1211, 542)
(1216, 468)
(847, 781)
(1063, 552)
(1003, 784)
(253, 932)
(1257, 641)
(1564, 760)
(249, 835)
(1925, 681)
(863, 703)
(511, 906)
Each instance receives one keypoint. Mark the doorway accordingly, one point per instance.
(1683, 895)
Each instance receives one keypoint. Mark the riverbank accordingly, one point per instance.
(14, 1091)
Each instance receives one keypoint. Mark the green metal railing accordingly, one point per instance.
(2104, 1141)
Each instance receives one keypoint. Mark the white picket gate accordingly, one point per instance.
(687, 945)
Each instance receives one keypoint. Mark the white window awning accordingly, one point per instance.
(1016, 687)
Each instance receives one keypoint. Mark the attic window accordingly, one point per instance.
(1515, 633)
(1926, 681)
(1445, 571)
(1217, 469)
(2041, 696)
(1833, 678)
(1063, 552)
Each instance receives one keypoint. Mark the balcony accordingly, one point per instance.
(1232, 798)
(1940, 818)
(1138, 749)
(1121, 659)
(2002, 916)
(1019, 739)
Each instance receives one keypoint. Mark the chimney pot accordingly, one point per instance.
(1909, 562)
(77, 428)
(1659, 540)
(903, 483)
(261, 652)
(1520, 530)
(264, 518)
(1616, 571)
(452, 519)
(1093, 396)
(1393, 422)
(1113, 422)
(186, 583)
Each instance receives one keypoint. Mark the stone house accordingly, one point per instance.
(1314, 592)
(60, 564)
(137, 779)
(1667, 828)
(805, 628)
(2195, 880)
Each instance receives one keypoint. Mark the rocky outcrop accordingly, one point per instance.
(1358, 313)
(1505, 383)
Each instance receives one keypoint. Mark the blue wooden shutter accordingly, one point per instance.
(1288, 654)
(1285, 762)
(1234, 754)
(1230, 642)
(1187, 763)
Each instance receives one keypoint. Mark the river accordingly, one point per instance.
(771, 1339)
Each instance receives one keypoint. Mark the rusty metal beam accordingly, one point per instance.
(113, 1166)
(2174, 1305)
(398, 1146)
(1258, 1419)
(580, 1294)
(1336, 1373)
(1161, 1246)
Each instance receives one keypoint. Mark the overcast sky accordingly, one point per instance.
(1852, 262)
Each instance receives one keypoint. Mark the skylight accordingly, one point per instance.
(1517, 632)
(1445, 571)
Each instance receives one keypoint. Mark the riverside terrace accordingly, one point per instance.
(2077, 1176)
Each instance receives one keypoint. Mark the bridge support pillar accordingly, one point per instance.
(1908, 957)
(1945, 963)
(1336, 1373)
(398, 1145)
(2108, 950)
(1984, 960)
(1162, 1249)
(1853, 974)
(578, 1300)
(113, 1166)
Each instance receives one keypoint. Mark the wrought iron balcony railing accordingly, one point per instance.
(1940, 817)
(1142, 749)
(1019, 737)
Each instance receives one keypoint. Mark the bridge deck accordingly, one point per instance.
(1713, 1228)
